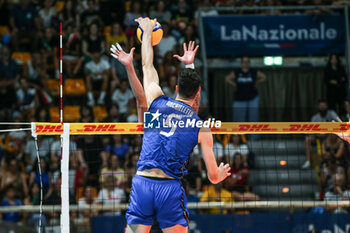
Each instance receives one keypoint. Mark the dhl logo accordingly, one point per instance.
(305, 127)
(57, 128)
(255, 127)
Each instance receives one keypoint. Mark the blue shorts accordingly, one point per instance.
(164, 200)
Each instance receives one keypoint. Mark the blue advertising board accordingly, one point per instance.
(247, 223)
(259, 35)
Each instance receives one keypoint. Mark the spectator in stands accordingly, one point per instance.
(237, 183)
(336, 84)
(209, 12)
(195, 168)
(130, 169)
(9, 71)
(216, 193)
(236, 146)
(71, 50)
(182, 13)
(47, 14)
(323, 115)
(37, 74)
(333, 148)
(45, 176)
(12, 176)
(25, 23)
(97, 76)
(44, 144)
(116, 147)
(28, 99)
(69, 15)
(10, 200)
(190, 194)
(93, 43)
(87, 114)
(167, 43)
(190, 35)
(122, 96)
(53, 197)
(337, 193)
(161, 13)
(113, 169)
(328, 170)
(49, 51)
(246, 100)
(113, 114)
(136, 12)
(90, 15)
(170, 89)
(168, 67)
(33, 198)
(88, 200)
(77, 176)
(111, 195)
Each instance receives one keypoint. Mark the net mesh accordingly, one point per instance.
(268, 175)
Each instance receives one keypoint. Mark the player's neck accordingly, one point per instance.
(185, 101)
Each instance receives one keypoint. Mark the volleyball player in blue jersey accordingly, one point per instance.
(156, 188)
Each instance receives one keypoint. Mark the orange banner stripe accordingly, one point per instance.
(226, 128)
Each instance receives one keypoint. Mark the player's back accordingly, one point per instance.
(171, 133)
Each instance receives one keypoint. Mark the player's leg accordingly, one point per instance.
(138, 228)
(175, 229)
(140, 213)
(170, 205)
(309, 139)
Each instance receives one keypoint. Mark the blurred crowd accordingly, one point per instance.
(101, 168)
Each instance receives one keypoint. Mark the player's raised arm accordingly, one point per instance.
(150, 75)
(127, 60)
(216, 173)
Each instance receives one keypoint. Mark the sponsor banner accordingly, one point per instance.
(226, 128)
(245, 223)
(261, 35)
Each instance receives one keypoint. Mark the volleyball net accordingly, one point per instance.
(92, 176)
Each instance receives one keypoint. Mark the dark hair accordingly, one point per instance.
(189, 83)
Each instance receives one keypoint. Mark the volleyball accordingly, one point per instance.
(157, 34)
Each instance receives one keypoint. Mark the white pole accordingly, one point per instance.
(65, 179)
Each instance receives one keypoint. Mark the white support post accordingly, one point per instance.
(65, 179)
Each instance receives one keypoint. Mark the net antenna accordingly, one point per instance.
(64, 221)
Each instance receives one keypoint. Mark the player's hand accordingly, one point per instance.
(189, 53)
(146, 24)
(118, 53)
(223, 171)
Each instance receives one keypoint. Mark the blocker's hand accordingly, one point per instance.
(146, 24)
(118, 53)
(189, 54)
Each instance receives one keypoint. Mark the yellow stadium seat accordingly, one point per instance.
(100, 112)
(53, 86)
(59, 6)
(74, 87)
(71, 113)
(24, 57)
(4, 30)
(54, 114)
